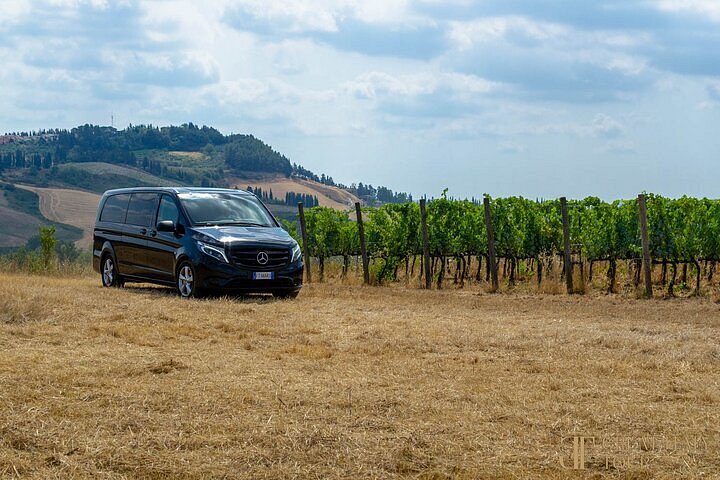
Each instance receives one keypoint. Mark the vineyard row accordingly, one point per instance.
(514, 229)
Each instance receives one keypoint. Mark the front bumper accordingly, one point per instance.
(214, 275)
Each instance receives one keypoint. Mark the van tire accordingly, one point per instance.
(186, 281)
(108, 272)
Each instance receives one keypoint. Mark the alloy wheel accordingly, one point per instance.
(108, 273)
(185, 281)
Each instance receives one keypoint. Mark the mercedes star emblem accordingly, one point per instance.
(262, 258)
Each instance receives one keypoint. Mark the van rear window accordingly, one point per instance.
(115, 209)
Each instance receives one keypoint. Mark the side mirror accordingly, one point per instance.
(166, 226)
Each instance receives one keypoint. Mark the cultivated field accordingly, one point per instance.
(352, 382)
(190, 155)
(72, 207)
(328, 196)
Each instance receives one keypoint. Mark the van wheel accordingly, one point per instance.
(109, 273)
(286, 295)
(186, 281)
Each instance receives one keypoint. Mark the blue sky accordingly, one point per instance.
(507, 97)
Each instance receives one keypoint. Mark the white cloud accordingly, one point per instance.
(470, 33)
(628, 64)
(293, 16)
(12, 10)
(326, 79)
(708, 8)
(383, 11)
(605, 126)
(376, 84)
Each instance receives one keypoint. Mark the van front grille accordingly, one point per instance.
(250, 257)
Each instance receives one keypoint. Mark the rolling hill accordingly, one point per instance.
(70, 207)
(72, 198)
(21, 216)
(62, 172)
(24, 226)
(328, 196)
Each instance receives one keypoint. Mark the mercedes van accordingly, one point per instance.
(195, 239)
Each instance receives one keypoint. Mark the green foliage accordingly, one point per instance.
(45, 254)
(327, 231)
(683, 230)
(22, 200)
(247, 153)
(47, 245)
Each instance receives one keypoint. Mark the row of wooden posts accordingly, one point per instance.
(642, 213)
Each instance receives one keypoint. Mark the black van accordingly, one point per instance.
(195, 239)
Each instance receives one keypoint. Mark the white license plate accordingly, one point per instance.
(263, 276)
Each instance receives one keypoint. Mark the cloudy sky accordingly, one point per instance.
(539, 98)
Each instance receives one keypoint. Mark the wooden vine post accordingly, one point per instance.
(426, 244)
(491, 246)
(306, 247)
(566, 245)
(647, 265)
(363, 247)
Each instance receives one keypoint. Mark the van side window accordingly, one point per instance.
(115, 208)
(168, 210)
(141, 210)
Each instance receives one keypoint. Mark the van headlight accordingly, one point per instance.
(212, 251)
(296, 254)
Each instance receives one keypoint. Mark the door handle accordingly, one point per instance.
(143, 231)
(152, 233)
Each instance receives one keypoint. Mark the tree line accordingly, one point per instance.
(290, 198)
(94, 143)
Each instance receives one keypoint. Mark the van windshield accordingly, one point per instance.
(222, 208)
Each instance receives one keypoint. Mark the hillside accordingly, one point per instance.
(21, 215)
(62, 169)
(328, 196)
(185, 154)
(18, 227)
(72, 198)
(71, 207)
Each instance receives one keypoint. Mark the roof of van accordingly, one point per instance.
(176, 190)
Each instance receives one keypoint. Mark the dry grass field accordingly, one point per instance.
(352, 382)
(328, 196)
(190, 155)
(72, 207)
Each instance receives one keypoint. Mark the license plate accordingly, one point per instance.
(263, 276)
